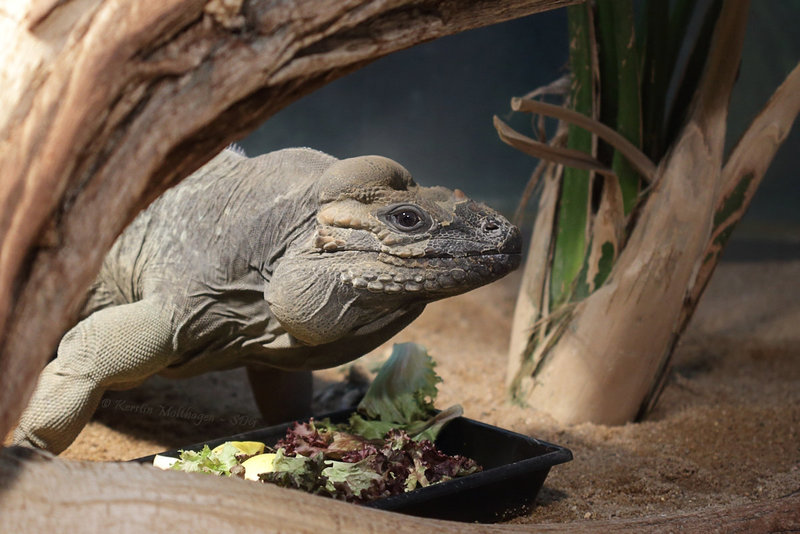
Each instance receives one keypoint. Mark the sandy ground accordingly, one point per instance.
(726, 431)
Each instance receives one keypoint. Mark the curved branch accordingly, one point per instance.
(636, 157)
(557, 154)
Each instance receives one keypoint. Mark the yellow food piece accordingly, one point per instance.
(250, 448)
(263, 463)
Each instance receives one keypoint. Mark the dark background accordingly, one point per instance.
(430, 108)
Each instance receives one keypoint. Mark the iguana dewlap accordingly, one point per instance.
(294, 260)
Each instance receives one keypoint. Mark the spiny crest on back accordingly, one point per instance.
(236, 149)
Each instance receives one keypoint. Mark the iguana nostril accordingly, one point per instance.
(490, 226)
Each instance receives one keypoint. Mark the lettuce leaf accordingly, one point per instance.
(299, 472)
(207, 461)
(402, 397)
(404, 389)
(356, 480)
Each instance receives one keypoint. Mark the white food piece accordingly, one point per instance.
(163, 462)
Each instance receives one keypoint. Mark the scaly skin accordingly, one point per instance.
(287, 262)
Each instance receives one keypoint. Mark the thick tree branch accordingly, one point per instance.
(135, 498)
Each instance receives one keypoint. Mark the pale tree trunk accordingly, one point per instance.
(605, 361)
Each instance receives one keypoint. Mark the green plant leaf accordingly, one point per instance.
(405, 387)
(688, 83)
(619, 76)
(572, 218)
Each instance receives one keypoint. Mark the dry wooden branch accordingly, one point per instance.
(124, 498)
(548, 152)
(105, 104)
(637, 158)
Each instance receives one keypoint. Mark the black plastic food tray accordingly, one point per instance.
(514, 469)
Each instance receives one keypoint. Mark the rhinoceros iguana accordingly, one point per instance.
(291, 261)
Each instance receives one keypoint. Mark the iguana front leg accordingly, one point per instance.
(114, 348)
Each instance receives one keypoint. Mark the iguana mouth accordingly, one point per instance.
(494, 252)
(467, 254)
(434, 274)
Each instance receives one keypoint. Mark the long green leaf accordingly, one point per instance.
(679, 19)
(571, 241)
(620, 73)
(607, 63)
(655, 80)
(690, 80)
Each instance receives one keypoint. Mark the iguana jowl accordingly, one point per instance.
(290, 261)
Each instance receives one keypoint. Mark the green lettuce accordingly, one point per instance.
(402, 397)
(359, 477)
(207, 461)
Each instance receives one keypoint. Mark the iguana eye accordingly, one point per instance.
(407, 218)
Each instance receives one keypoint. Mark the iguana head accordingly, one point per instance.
(380, 244)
